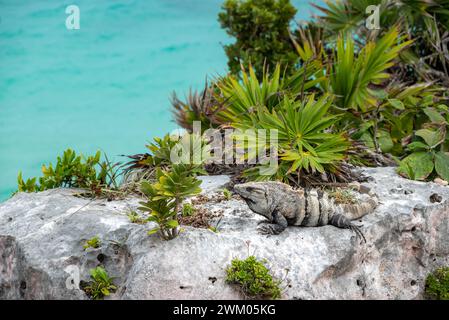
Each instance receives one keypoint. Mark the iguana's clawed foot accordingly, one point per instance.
(269, 228)
(357, 231)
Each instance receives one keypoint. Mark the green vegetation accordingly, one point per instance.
(189, 146)
(94, 242)
(227, 194)
(101, 284)
(165, 196)
(261, 30)
(254, 278)
(424, 22)
(134, 217)
(305, 144)
(75, 171)
(437, 284)
(187, 210)
(352, 95)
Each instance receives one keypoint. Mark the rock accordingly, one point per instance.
(441, 182)
(213, 183)
(42, 237)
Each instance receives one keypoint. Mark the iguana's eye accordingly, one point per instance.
(250, 189)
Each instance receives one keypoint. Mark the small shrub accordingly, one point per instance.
(187, 210)
(198, 106)
(261, 29)
(437, 284)
(165, 197)
(101, 285)
(162, 212)
(74, 171)
(254, 278)
(95, 243)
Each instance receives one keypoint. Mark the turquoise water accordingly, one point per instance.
(105, 86)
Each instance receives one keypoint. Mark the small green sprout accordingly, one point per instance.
(135, 218)
(95, 243)
(101, 285)
(227, 194)
(187, 210)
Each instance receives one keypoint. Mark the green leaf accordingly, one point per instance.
(417, 146)
(434, 115)
(172, 224)
(442, 165)
(105, 291)
(431, 137)
(385, 142)
(153, 231)
(397, 104)
(421, 163)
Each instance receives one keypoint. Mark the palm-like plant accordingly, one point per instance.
(245, 96)
(426, 21)
(199, 106)
(352, 76)
(165, 196)
(305, 141)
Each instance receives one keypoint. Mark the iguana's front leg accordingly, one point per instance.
(279, 224)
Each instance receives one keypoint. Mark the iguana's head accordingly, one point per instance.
(256, 196)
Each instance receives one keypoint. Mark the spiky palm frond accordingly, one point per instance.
(352, 75)
(249, 93)
(199, 106)
(304, 141)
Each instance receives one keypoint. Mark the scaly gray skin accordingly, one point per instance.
(284, 206)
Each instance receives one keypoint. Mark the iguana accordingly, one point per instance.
(283, 206)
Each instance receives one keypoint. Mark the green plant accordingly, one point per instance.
(134, 217)
(352, 76)
(227, 194)
(165, 197)
(305, 144)
(26, 186)
(187, 210)
(427, 22)
(101, 286)
(161, 211)
(425, 158)
(202, 107)
(75, 171)
(261, 30)
(94, 242)
(244, 97)
(253, 277)
(437, 284)
(248, 94)
(162, 149)
(176, 184)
